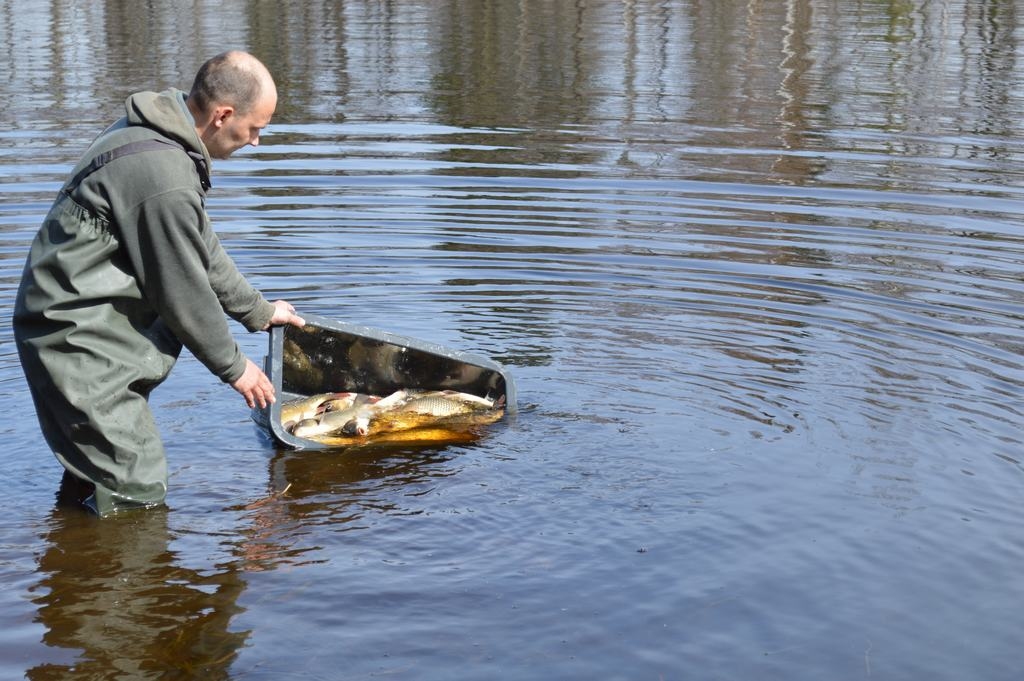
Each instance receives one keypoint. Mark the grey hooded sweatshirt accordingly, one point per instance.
(124, 270)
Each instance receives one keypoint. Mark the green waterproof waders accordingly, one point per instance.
(90, 392)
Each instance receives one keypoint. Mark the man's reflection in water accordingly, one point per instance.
(112, 592)
(114, 595)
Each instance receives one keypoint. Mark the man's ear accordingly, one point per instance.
(221, 115)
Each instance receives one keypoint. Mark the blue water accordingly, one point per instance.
(755, 268)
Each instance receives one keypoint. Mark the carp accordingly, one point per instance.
(418, 409)
(358, 415)
(344, 411)
(446, 403)
(294, 411)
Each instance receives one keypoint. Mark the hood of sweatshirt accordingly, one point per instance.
(166, 113)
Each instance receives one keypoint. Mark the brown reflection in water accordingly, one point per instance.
(113, 591)
(795, 91)
(343, 489)
(820, 63)
(115, 597)
(753, 75)
(359, 479)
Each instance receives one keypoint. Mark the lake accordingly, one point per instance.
(755, 267)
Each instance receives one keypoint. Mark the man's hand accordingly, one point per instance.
(254, 386)
(284, 313)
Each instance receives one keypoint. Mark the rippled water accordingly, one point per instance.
(755, 267)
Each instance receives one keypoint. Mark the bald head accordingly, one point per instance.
(236, 79)
(231, 101)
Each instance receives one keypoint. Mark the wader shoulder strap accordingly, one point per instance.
(136, 147)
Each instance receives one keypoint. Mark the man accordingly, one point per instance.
(126, 268)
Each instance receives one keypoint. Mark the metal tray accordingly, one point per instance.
(331, 356)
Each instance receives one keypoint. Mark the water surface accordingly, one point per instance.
(755, 267)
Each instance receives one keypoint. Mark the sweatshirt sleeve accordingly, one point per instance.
(237, 296)
(181, 269)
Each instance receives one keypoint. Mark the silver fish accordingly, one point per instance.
(304, 408)
(337, 421)
(419, 409)
(442, 403)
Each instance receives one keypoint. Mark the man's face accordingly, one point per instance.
(232, 130)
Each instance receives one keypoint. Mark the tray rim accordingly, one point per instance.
(270, 417)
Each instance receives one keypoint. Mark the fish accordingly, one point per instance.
(337, 419)
(399, 420)
(326, 423)
(344, 401)
(446, 403)
(358, 415)
(418, 409)
(358, 423)
(304, 408)
(304, 426)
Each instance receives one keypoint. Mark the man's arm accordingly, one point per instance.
(254, 385)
